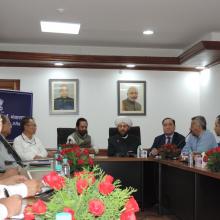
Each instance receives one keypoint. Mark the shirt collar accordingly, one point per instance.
(171, 136)
(125, 137)
(27, 139)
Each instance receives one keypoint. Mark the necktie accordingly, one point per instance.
(168, 140)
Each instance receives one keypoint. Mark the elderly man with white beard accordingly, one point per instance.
(121, 143)
(131, 104)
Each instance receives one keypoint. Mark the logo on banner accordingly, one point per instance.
(1, 105)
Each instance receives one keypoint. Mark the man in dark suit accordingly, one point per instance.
(121, 143)
(64, 102)
(169, 137)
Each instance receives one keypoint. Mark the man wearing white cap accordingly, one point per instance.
(122, 143)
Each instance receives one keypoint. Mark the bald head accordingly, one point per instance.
(64, 91)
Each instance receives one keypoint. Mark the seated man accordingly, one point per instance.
(168, 137)
(6, 151)
(27, 145)
(200, 140)
(121, 143)
(80, 136)
(217, 129)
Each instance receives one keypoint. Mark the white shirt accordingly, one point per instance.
(71, 140)
(18, 189)
(29, 148)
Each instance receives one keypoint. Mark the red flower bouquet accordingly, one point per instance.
(78, 158)
(212, 158)
(88, 195)
(169, 151)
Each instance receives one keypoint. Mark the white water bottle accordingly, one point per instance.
(66, 168)
(190, 160)
(139, 151)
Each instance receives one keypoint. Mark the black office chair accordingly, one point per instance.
(62, 135)
(132, 131)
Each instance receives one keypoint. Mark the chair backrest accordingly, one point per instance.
(132, 131)
(62, 135)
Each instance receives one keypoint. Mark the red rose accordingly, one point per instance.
(96, 207)
(127, 215)
(109, 179)
(80, 162)
(132, 205)
(78, 154)
(81, 185)
(39, 207)
(90, 161)
(76, 148)
(71, 211)
(70, 162)
(28, 213)
(54, 180)
(105, 188)
(85, 174)
(86, 151)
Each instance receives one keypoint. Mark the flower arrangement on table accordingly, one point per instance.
(212, 157)
(78, 158)
(169, 151)
(87, 196)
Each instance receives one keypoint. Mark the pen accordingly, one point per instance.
(6, 193)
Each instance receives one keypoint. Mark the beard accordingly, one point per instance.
(132, 99)
(82, 133)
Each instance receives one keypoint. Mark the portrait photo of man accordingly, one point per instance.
(64, 102)
(131, 97)
(63, 96)
(130, 103)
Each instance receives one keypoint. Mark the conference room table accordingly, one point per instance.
(190, 193)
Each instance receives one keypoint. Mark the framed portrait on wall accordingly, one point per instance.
(64, 96)
(131, 97)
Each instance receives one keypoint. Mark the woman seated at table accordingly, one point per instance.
(27, 145)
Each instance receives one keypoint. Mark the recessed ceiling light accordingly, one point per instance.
(130, 65)
(200, 67)
(148, 32)
(58, 64)
(60, 10)
(59, 27)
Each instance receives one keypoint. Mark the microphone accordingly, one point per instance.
(11, 151)
(184, 139)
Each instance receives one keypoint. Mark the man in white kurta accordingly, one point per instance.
(29, 149)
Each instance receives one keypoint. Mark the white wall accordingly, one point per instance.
(174, 94)
(210, 91)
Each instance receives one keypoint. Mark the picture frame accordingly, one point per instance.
(131, 97)
(64, 96)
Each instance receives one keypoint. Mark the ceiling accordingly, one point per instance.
(177, 24)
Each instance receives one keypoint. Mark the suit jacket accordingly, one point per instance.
(118, 146)
(178, 140)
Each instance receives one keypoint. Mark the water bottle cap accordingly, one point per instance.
(63, 215)
(58, 167)
(65, 160)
